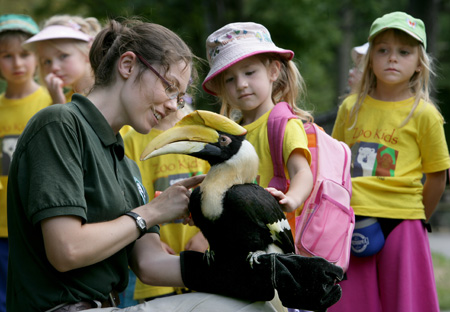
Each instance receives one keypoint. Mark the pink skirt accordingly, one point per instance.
(398, 278)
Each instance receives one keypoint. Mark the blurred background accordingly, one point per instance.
(321, 33)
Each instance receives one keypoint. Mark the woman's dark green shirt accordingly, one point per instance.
(68, 161)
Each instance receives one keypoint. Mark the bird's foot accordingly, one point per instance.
(253, 257)
(209, 256)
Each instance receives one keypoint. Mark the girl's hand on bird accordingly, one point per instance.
(287, 204)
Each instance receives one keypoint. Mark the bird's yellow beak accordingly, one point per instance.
(191, 134)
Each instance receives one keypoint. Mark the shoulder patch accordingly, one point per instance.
(141, 190)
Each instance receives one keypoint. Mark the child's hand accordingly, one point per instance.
(167, 248)
(55, 88)
(287, 203)
(197, 243)
(189, 221)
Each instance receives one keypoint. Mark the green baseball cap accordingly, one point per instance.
(402, 21)
(18, 22)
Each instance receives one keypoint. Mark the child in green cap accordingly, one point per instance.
(396, 135)
(22, 98)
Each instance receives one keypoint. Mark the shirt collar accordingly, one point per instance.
(98, 122)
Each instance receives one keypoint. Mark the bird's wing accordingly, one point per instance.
(265, 209)
(256, 219)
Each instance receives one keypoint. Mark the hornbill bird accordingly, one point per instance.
(238, 218)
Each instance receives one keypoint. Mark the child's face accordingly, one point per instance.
(63, 59)
(17, 65)
(248, 84)
(394, 59)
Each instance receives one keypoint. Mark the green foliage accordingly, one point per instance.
(441, 266)
(321, 33)
(299, 26)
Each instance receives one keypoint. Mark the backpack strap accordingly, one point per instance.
(276, 125)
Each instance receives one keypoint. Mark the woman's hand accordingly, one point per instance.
(171, 204)
(65, 237)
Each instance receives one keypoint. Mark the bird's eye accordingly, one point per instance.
(224, 140)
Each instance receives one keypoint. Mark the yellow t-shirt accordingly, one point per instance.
(388, 162)
(14, 115)
(294, 138)
(68, 96)
(124, 130)
(158, 174)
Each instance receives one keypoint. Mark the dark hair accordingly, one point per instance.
(8, 34)
(156, 43)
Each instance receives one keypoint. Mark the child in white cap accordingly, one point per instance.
(396, 135)
(63, 47)
(250, 74)
(22, 98)
(354, 74)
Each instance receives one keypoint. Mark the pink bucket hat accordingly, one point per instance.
(58, 32)
(235, 42)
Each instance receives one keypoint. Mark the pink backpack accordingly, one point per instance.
(325, 226)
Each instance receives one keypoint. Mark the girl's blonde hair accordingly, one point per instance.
(419, 84)
(89, 25)
(289, 87)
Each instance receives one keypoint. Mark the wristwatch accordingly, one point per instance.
(140, 222)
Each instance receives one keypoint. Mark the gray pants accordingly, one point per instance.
(198, 302)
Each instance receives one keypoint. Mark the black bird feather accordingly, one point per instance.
(243, 225)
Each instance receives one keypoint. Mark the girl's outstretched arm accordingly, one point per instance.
(301, 182)
(432, 191)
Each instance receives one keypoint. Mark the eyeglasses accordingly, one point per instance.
(172, 90)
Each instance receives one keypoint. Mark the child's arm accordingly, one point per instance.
(301, 182)
(197, 243)
(432, 191)
(167, 248)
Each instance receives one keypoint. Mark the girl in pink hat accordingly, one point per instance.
(250, 75)
(63, 47)
(396, 136)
